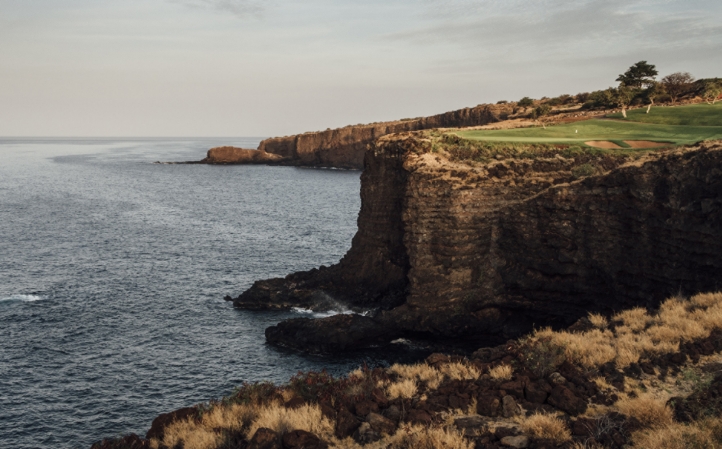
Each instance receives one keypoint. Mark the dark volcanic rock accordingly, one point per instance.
(332, 334)
(530, 244)
(300, 439)
(265, 439)
(157, 428)
(562, 398)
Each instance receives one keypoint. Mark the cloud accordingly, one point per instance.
(538, 29)
(240, 8)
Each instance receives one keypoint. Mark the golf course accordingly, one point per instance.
(662, 126)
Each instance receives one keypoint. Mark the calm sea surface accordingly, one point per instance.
(113, 270)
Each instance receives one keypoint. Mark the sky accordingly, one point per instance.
(278, 67)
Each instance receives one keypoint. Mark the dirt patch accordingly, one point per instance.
(646, 144)
(603, 144)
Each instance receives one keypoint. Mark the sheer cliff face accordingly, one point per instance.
(345, 147)
(488, 250)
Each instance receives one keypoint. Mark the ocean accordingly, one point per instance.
(113, 271)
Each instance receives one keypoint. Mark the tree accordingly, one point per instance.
(677, 83)
(639, 75)
(711, 91)
(526, 102)
(653, 91)
(624, 95)
(541, 111)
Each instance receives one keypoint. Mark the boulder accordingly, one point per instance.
(562, 398)
(265, 439)
(381, 424)
(300, 439)
(520, 441)
(346, 424)
(157, 428)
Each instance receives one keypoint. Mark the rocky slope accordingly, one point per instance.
(541, 236)
(345, 147)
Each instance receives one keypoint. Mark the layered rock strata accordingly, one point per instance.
(484, 251)
(233, 155)
(345, 147)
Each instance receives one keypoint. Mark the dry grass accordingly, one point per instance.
(501, 372)
(638, 334)
(280, 419)
(405, 389)
(651, 412)
(598, 321)
(419, 437)
(420, 372)
(548, 426)
(190, 435)
(705, 434)
(460, 371)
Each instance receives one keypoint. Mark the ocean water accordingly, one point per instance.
(113, 270)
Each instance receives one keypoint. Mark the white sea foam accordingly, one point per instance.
(324, 314)
(22, 298)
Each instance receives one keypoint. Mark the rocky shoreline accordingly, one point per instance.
(539, 239)
(526, 393)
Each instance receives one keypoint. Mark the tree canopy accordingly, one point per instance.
(639, 75)
(677, 84)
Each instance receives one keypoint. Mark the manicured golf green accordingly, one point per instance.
(619, 130)
(692, 115)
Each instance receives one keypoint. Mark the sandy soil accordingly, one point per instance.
(603, 144)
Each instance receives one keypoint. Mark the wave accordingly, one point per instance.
(22, 298)
(324, 314)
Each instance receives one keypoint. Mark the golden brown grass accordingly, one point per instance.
(706, 434)
(548, 426)
(419, 437)
(501, 372)
(420, 372)
(638, 334)
(460, 371)
(598, 321)
(190, 435)
(280, 419)
(405, 389)
(651, 412)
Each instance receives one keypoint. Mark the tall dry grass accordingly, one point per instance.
(637, 333)
(705, 434)
(546, 426)
(501, 372)
(280, 419)
(651, 412)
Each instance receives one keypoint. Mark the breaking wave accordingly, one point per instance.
(21, 298)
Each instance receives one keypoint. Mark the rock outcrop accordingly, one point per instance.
(233, 155)
(484, 251)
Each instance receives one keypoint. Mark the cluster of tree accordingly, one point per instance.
(637, 86)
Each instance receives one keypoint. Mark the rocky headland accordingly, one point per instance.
(481, 243)
(345, 147)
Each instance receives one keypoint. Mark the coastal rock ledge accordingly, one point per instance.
(485, 250)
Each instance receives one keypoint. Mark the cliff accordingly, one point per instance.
(345, 147)
(233, 155)
(458, 244)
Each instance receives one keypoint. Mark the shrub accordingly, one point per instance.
(501, 372)
(526, 102)
(583, 170)
(542, 356)
(546, 426)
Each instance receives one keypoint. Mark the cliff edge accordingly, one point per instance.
(345, 147)
(482, 245)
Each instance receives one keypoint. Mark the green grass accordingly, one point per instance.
(692, 115)
(679, 125)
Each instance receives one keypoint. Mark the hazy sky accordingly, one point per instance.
(275, 67)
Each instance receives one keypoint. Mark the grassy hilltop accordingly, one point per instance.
(663, 125)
